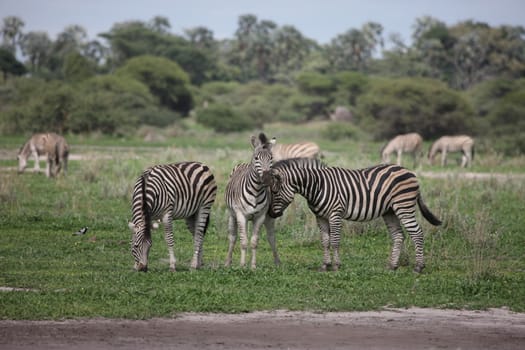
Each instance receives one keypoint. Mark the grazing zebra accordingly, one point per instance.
(248, 199)
(445, 144)
(52, 145)
(184, 190)
(405, 143)
(334, 194)
(296, 150)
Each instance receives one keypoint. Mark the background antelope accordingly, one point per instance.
(405, 143)
(296, 150)
(333, 194)
(248, 198)
(52, 145)
(446, 144)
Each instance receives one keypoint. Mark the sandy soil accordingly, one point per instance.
(390, 329)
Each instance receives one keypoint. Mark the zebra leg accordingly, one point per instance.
(232, 238)
(242, 226)
(443, 157)
(167, 221)
(34, 152)
(195, 227)
(48, 168)
(399, 155)
(335, 238)
(416, 234)
(257, 223)
(396, 233)
(269, 223)
(325, 241)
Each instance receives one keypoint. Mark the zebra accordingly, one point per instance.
(334, 194)
(407, 143)
(445, 144)
(296, 150)
(184, 190)
(248, 198)
(52, 145)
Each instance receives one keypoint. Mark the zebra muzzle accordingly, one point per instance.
(142, 268)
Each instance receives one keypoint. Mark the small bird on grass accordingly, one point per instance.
(80, 232)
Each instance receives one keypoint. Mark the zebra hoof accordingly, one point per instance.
(419, 268)
(323, 268)
(392, 267)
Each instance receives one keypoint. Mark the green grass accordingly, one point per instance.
(476, 260)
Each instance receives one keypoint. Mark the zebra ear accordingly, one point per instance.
(254, 141)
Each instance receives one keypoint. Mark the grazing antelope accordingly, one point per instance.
(405, 143)
(446, 144)
(52, 145)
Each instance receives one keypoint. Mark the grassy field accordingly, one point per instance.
(476, 260)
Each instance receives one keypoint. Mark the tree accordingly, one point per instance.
(9, 64)
(291, 49)
(77, 67)
(353, 50)
(201, 37)
(165, 79)
(12, 32)
(36, 46)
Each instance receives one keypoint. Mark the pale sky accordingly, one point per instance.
(321, 20)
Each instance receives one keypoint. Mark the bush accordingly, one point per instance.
(340, 131)
(223, 118)
(427, 106)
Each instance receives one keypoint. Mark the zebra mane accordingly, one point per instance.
(308, 163)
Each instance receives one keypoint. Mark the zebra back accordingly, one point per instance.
(359, 195)
(182, 187)
(296, 150)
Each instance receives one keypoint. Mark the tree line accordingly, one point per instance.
(467, 77)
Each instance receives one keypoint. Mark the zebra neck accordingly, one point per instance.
(307, 184)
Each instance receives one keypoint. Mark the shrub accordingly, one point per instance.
(223, 118)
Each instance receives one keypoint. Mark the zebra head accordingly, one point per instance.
(262, 156)
(140, 245)
(282, 194)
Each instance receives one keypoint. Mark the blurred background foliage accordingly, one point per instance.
(464, 78)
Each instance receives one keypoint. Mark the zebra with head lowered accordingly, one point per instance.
(184, 190)
(52, 145)
(248, 198)
(446, 144)
(282, 151)
(405, 143)
(334, 194)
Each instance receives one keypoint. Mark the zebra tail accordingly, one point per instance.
(145, 210)
(427, 214)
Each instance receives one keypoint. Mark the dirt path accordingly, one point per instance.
(391, 329)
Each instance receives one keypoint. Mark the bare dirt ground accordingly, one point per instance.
(390, 329)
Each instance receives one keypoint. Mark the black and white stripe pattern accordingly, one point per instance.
(296, 150)
(334, 194)
(248, 198)
(168, 192)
